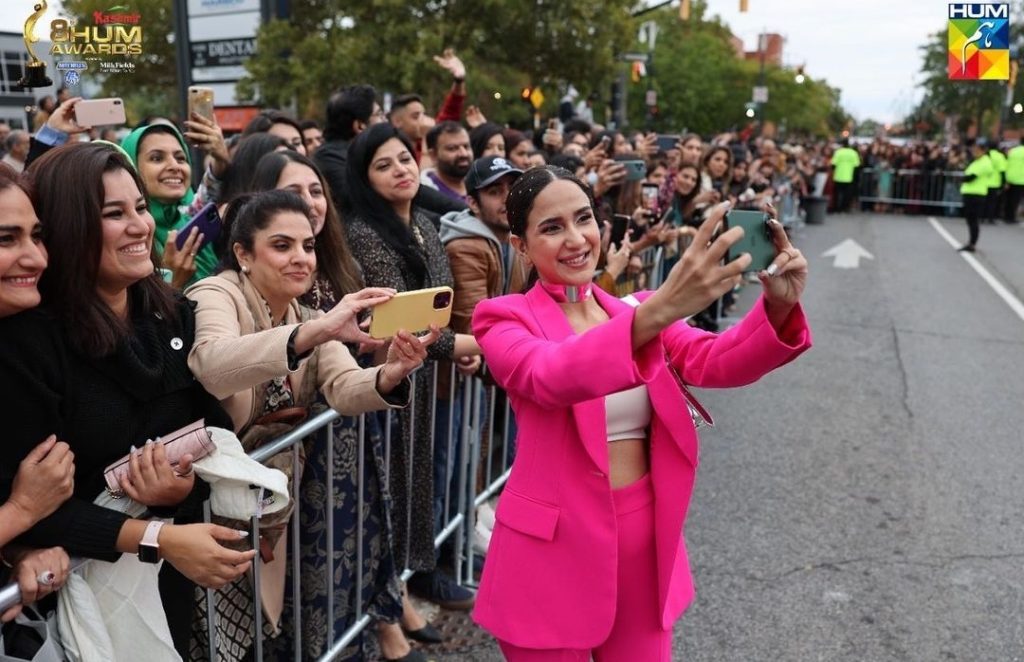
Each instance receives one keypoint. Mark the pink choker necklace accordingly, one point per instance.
(567, 293)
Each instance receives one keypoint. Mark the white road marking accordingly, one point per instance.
(1006, 295)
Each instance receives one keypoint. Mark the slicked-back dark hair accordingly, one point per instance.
(68, 195)
(250, 213)
(526, 189)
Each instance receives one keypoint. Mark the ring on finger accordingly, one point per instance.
(46, 578)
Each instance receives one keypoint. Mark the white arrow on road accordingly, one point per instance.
(847, 254)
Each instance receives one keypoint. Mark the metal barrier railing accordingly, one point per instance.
(479, 455)
(910, 188)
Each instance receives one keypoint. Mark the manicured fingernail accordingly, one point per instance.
(242, 534)
(149, 441)
(772, 269)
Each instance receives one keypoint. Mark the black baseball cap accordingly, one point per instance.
(487, 170)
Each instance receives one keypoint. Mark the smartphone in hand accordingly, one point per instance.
(207, 220)
(200, 101)
(100, 112)
(413, 311)
(757, 238)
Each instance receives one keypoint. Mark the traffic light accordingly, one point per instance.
(525, 94)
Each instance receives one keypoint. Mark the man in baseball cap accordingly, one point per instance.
(483, 263)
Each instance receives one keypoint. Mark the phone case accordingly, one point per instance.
(413, 311)
(635, 170)
(100, 112)
(757, 239)
(207, 220)
(200, 101)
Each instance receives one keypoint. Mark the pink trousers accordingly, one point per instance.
(636, 634)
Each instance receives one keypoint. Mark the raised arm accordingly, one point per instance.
(556, 374)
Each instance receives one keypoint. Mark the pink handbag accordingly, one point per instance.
(193, 439)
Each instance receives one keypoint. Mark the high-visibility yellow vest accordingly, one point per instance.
(982, 167)
(1015, 166)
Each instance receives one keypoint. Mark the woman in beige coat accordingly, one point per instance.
(265, 356)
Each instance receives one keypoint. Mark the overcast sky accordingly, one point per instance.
(867, 48)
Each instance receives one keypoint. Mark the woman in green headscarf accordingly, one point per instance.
(161, 155)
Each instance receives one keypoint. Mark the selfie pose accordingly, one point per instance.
(587, 556)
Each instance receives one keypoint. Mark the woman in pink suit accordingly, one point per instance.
(587, 556)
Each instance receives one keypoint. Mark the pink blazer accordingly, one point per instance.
(549, 578)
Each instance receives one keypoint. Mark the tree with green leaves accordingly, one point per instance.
(506, 44)
(703, 85)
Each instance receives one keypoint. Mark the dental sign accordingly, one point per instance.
(979, 41)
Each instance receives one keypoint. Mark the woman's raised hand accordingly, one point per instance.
(784, 280)
(342, 322)
(405, 354)
(182, 263)
(45, 479)
(205, 134)
(699, 277)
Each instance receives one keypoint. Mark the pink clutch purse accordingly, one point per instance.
(193, 439)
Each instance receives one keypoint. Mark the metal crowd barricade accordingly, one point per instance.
(911, 190)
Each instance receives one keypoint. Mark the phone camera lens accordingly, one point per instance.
(441, 300)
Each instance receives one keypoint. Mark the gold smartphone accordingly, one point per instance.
(413, 311)
(200, 101)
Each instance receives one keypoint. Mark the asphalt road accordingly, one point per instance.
(864, 503)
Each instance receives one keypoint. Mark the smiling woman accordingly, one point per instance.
(265, 355)
(102, 364)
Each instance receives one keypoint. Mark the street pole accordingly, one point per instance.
(761, 46)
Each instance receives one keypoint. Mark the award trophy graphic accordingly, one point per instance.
(35, 70)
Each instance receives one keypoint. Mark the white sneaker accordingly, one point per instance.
(485, 516)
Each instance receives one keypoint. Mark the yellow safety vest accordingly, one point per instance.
(982, 167)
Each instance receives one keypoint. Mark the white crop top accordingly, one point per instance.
(628, 413)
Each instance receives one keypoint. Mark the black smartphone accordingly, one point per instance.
(757, 238)
(667, 142)
(620, 225)
(207, 220)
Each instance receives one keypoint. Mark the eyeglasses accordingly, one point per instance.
(378, 114)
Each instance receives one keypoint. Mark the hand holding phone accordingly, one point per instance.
(414, 311)
(206, 221)
(99, 112)
(757, 238)
(200, 102)
(636, 170)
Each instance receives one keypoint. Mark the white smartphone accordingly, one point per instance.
(100, 112)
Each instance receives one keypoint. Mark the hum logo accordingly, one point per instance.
(968, 10)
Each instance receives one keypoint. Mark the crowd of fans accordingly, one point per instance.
(116, 330)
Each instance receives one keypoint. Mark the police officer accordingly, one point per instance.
(1015, 180)
(995, 184)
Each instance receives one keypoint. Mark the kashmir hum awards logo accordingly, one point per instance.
(113, 40)
(979, 41)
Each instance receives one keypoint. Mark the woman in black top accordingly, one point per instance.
(102, 364)
(397, 246)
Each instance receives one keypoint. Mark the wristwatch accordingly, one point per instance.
(149, 548)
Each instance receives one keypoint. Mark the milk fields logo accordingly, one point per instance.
(979, 41)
